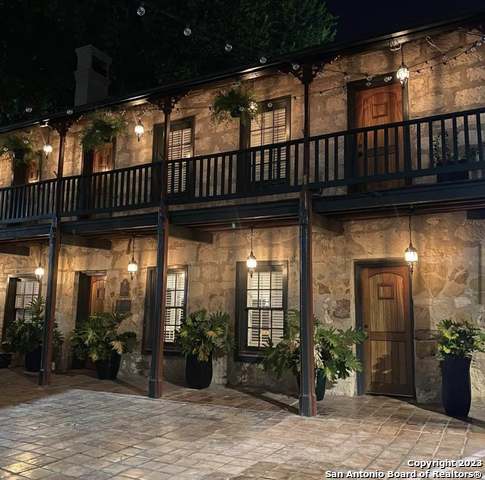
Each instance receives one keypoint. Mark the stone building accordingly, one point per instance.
(380, 158)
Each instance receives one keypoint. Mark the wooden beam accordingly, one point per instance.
(77, 241)
(15, 250)
(193, 234)
(327, 223)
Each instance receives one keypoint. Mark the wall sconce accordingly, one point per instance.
(411, 254)
(251, 261)
(139, 130)
(132, 266)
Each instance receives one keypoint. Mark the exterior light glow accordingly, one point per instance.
(139, 130)
(411, 254)
(251, 261)
(132, 266)
(402, 74)
(39, 273)
(47, 149)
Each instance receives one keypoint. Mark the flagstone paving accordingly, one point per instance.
(83, 428)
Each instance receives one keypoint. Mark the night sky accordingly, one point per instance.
(360, 19)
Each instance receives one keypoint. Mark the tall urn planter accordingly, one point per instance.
(456, 389)
(198, 374)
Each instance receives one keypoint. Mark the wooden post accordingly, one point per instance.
(54, 248)
(307, 400)
(155, 381)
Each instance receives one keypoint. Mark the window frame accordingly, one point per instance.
(244, 353)
(279, 102)
(168, 348)
(159, 133)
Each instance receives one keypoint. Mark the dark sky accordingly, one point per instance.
(361, 18)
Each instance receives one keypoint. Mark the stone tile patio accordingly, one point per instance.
(83, 428)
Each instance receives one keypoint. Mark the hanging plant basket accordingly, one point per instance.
(101, 130)
(18, 147)
(234, 103)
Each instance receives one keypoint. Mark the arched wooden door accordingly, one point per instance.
(386, 318)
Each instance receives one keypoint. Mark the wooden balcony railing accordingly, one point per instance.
(442, 148)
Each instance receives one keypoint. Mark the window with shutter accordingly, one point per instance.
(262, 306)
(180, 146)
(175, 302)
(269, 127)
(27, 290)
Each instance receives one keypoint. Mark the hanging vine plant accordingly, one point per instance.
(18, 147)
(234, 103)
(102, 129)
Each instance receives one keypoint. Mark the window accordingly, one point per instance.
(27, 290)
(180, 146)
(261, 306)
(175, 306)
(175, 303)
(269, 127)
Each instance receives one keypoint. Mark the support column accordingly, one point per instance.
(155, 381)
(54, 249)
(307, 400)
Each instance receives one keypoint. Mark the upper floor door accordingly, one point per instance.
(101, 159)
(381, 151)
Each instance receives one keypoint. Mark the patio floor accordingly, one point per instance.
(81, 427)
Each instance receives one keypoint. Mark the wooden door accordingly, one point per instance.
(386, 318)
(379, 152)
(98, 293)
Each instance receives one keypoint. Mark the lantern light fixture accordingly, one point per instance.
(139, 130)
(132, 266)
(39, 271)
(251, 261)
(411, 254)
(402, 73)
(47, 148)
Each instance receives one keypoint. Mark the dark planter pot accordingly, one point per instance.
(455, 386)
(320, 384)
(198, 374)
(108, 369)
(32, 360)
(78, 363)
(452, 176)
(5, 359)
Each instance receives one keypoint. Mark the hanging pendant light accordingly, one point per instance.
(139, 130)
(251, 261)
(39, 271)
(402, 73)
(411, 254)
(132, 266)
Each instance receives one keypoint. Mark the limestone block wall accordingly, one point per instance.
(448, 282)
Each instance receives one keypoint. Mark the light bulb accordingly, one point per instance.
(139, 130)
(403, 74)
(47, 149)
(251, 262)
(295, 66)
(228, 47)
(39, 273)
(141, 11)
(187, 31)
(132, 267)
(263, 60)
(253, 107)
(411, 256)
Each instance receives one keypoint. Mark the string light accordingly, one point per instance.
(228, 47)
(187, 31)
(263, 60)
(140, 11)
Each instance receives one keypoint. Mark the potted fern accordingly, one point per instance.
(20, 150)
(333, 352)
(234, 103)
(25, 335)
(202, 337)
(100, 340)
(456, 344)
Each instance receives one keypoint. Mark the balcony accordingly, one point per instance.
(412, 155)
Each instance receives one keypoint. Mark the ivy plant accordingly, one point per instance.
(99, 336)
(459, 339)
(101, 130)
(205, 335)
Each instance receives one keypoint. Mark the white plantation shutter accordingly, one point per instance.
(266, 314)
(180, 146)
(27, 290)
(267, 128)
(175, 302)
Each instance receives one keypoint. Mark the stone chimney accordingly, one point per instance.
(92, 75)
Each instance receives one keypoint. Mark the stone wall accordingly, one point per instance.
(448, 283)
